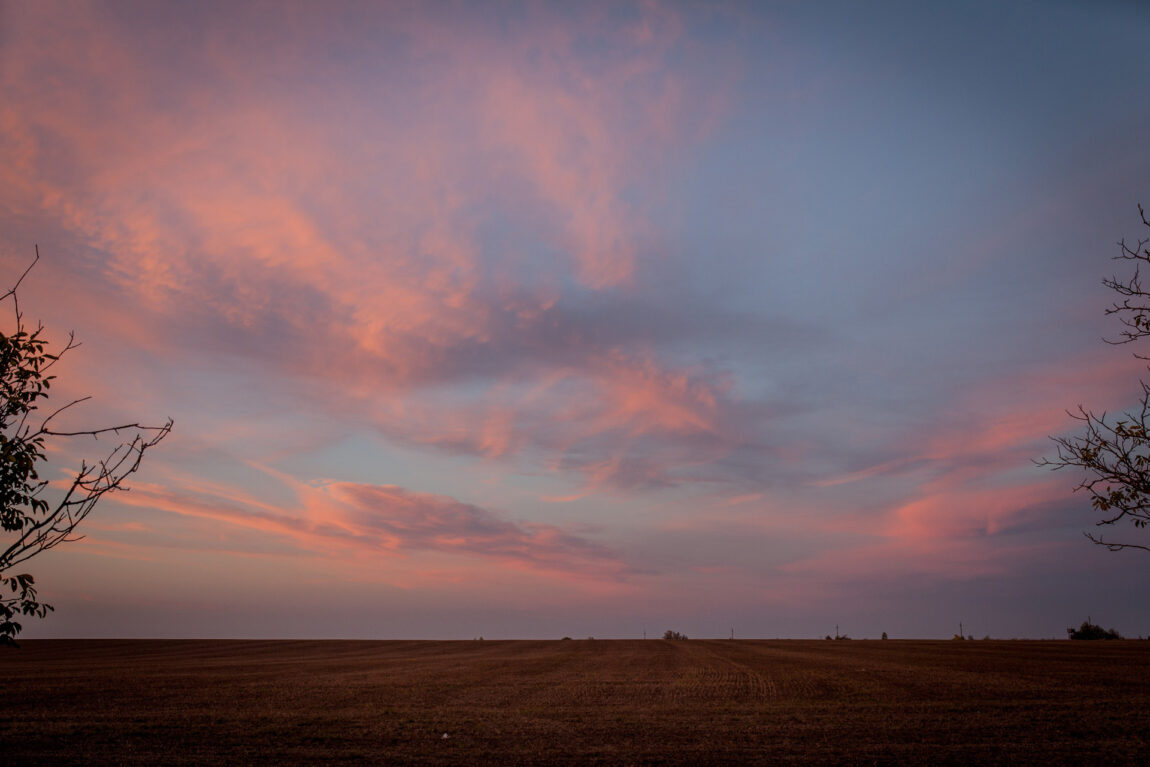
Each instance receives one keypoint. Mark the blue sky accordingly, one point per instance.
(539, 319)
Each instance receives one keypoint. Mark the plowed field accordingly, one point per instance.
(574, 702)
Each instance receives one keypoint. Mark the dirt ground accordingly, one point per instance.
(145, 702)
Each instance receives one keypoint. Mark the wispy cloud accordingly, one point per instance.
(402, 246)
(366, 521)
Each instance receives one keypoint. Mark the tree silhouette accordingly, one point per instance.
(30, 523)
(1090, 630)
(1115, 453)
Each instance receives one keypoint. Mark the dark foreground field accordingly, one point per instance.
(575, 702)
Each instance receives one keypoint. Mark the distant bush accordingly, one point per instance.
(675, 635)
(566, 639)
(1089, 630)
(884, 635)
(958, 638)
(842, 636)
(827, 637)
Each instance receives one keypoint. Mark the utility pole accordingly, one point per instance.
(960, 634)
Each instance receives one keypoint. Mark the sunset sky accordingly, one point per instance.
(544, 319)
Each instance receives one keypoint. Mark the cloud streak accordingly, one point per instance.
(386, 521)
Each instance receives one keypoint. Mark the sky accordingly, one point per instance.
(530, 320)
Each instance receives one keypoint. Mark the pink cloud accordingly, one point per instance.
(973, 485)
(961, 559)
(354, 250)
(427, 521)
(334, 519)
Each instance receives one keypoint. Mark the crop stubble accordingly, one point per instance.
(579, 701)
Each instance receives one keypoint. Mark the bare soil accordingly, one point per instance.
(146, 702)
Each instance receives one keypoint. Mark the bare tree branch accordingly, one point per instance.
(1115, 546)
(12, 290)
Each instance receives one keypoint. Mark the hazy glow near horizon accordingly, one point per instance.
(541, 319)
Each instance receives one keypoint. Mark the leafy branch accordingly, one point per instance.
(30, 523)
(1115, 454)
